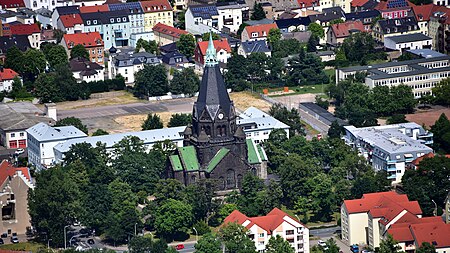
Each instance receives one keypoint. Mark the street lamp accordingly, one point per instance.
(196, 234)
(435, 208)
(135, 229)
(65, 236)
(48, 243)
(296, 216)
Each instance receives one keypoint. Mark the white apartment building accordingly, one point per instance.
(47, 4)
(408, 42)
(232, 15)
(201, 19)
(41, 138)
(420, 74)
(390, 147)
(276, 222)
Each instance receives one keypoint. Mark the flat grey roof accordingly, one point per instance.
(417, 71)
(408, 38)
(425, 53)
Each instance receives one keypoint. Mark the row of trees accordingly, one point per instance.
(361, 105)
(152, 80)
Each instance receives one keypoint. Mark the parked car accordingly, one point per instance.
(4, 235)
(179, 247)
(322, 244)
(19, 151)
(354, 248)
(14, 239)
(1, 241)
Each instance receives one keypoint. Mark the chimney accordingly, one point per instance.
(50, 111)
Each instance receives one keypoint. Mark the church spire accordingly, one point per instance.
(211, 54)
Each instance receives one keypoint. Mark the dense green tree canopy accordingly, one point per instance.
(288, 117)
(278, 245)
(316, 30)
(153, 121)
(151, 81)
(79, 51)
(441, 92)
(179, 119)
(210, 243)
(258, 12)
(186, 44)
(173, 217)
(185, 82)
(441, 134)
(148, 46)
(235, 239)
(306, 69)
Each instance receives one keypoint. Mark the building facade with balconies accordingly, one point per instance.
(276, 222)
(232, 15)
(201, 19)
(391, 147)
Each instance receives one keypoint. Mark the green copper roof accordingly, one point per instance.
(188, 157)
(253, 156)
(262, 155)
(216, 159)
(176, 163)
(211, 55)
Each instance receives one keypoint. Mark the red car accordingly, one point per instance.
(179, 247)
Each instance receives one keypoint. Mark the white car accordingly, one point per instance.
(322, 244)
(19, 151)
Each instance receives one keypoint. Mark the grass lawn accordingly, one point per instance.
(23, 246)
(318, 88)
(336, 216)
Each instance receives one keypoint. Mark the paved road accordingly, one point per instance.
(176, 105)
(313, 122)
(324, 232)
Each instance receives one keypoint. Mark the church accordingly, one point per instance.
(214, 146)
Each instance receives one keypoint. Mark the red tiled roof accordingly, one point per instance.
(417, 161)
(401, 230)
(401, 234)
(8, 170)
(25, 29)
(269, 223)
(71, 20)
(5, 4)
(156, 6)
(436, 233)
(92, 39)
(260, 29)
(308, 3)
(218, 45)
(95, 8)
(7, 74)
(169, 30)
(358, 3)
(343, 30)
(424, 12)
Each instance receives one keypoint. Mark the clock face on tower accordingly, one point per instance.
(220, 116)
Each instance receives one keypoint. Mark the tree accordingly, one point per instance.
(181, 20)
(148, 46)
(72, 121)
(169, 189)
(54, 203)
(389, 245)
(14, 59)
(290, 118)
(235, 239)
(274, 36)
(99, 132)
(316, 30)
(336, 21)
(441, 92)
(426, 247)
(335, 130)
(46, 88)
(210, 243)
(181, 119)
(151, 81)
(205, 36)
(153, 121)
(404, 98)
(441, 131)
(332, 246)
(322, 102)
(313, 42)
(258, 12)
(79, 51)
(306, 69)
(278, 244)
(322, 196)
(236, 76)
(143, 244)
(286, 47)
(173, 217)
(34, 63)
(70, 88)
(186, 44)
(56, 55)
(18, 91)
(184, 82)
(360, 47)
(396, 119)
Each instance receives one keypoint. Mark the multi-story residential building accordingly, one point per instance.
(337, 33)
(41, 140)
(95, 8)
(365, 221)
(32, 31)
(126, 63)
(14, 185)
(6, 79)
(135, 15)
(47, 4)
(420, 74)
(17, 117)
(274, 9)
(12, 5)
(445, 3)
(366, 17)
(392, 9)
(391, 147)
(165, 34)
(113, 26)
(257, 32)
(293, 24)
(393, 27)
(66, 10)
(92, 41)
(223, 51)
(85, 70)
(89, 2)
(276, 222)
(70, 24)
(201, 19)
(327, 15)
(6, 42)
(232, 15)
(157, 11)
(408, 41)
(425, 12)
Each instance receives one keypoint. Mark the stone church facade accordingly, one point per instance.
(214, 146)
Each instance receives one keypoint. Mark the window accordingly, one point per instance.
(112, 20)
(261, 235)
(13, 135)
(88, 22)
(118, 19)
(261, 243)
(124, 19)
(289, 232)
(95, 22)
(22, 134)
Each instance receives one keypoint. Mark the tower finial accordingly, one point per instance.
(211, 55)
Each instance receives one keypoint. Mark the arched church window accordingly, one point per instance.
(231, 180)
(219, 131)
(224, 130)
(221, 184)
(239, 181)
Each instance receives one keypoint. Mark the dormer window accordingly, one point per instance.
(124, 19)
(112, 20)
(254, 35)
(88, 22)
(95, 22)
(118, 19)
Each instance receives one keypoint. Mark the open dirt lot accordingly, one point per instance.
(428, 117)
(293, 100)
(243, 100)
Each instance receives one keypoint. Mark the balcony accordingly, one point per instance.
(391, 161)
(391, 176)
(391, 169)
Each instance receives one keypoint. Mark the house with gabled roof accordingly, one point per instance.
(157, 11)
(202, 19)
(393, 27)
(276, 222)
(257, 32)
(165, 34)
(71, 23)
(6, 79)
(337, 33)
(32, 31)
(249, 47)
(223, 51)
(92, 41)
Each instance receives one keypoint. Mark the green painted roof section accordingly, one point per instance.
(176, 163)
(216, 159)
(261, 153)
(188, 157)
(253, 156)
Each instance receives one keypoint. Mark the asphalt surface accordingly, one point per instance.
(324, 232)
(176, 105)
